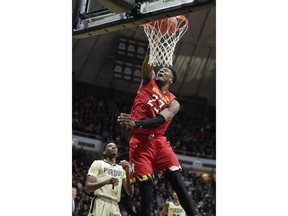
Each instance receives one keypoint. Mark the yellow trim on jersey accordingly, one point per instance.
(143, 178)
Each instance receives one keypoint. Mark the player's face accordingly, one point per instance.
(111, 149)
(174, 196)
(165, 74)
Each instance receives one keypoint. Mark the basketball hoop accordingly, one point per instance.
(163, 36)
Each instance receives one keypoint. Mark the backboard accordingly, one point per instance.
(94, 17)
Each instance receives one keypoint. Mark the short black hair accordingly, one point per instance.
(174, 73)
(110, 141)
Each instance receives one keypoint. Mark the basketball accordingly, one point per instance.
(166, 26)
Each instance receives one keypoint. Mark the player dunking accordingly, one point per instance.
(152, 111)
(105, 178)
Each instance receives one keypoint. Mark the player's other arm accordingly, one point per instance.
(170, 111)
(165, 115)
(164, 211)
(126, 181)
(92, 183)
(147, 73)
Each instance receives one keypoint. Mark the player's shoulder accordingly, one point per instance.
(147, 83)
(167, 203)
(172, 97)
(97, 162)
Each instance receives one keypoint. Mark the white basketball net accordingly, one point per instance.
(162, 45)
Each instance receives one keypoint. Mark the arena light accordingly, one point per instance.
(118, 6)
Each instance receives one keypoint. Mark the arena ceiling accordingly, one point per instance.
(195, 58)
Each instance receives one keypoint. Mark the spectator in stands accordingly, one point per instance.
(74, 194)
(105, 179)
(173, 207)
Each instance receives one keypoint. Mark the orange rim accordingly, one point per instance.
(181, 17)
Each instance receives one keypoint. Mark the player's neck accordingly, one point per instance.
(111, 161)
(165, 90)
(163, 86)
(176, 202)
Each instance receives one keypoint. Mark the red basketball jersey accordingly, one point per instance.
(149, 101)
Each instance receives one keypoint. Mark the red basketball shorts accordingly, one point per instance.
(149, 153)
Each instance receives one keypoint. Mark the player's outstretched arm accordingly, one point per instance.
(170, 111)
(147, 70)
(126, 181)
